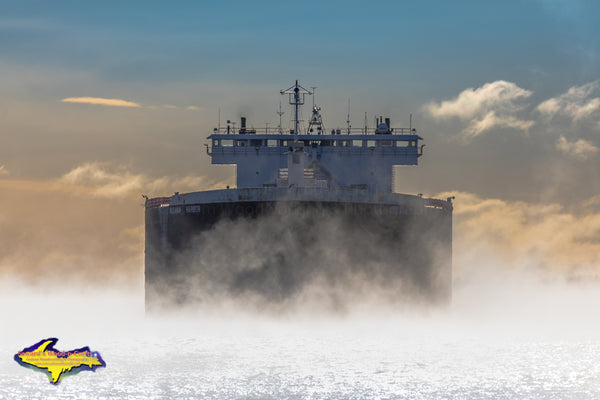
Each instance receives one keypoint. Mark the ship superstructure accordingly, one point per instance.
(357, 159)
(348, 173)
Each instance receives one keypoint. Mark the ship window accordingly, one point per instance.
(216, 142)
(272, 142)
(255, 142)
(345, 143)
(227, 142)
(371, 143)
(286, 143)
(242, 143)
(401, 143)
(357, 143)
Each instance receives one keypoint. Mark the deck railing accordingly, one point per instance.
(232, 130)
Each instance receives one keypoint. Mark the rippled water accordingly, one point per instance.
(323, 363)
(386, 356)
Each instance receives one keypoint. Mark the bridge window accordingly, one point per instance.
(216, 142)
(371, 143)
(242, 143)
(357, 143)
(255, 142)
(227, 142)
(271, 142)
(401, 143)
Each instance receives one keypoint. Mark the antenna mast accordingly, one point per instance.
(296, 98)
(348, 119)
(313, 94)
(280, 113)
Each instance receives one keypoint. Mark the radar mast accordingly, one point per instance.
(296, 98)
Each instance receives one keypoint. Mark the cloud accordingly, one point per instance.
(492, 120)
(105, 180)
(120, 103)
(105, 183)
(592, 204)
(541, 237)
(489, 106)
(576, 103)
(90, 226)
(3, 171)
(581, 148)
(101, 101)
(71, 236)
(82, 232)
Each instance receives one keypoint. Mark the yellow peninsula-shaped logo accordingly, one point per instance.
(42, 356)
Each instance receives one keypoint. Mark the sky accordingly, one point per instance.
(101, 102)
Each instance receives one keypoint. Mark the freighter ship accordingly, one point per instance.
(312, 208)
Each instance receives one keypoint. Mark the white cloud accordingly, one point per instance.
(491, 105)
(3, 171)
(192, 108)
(101, 101)
(491, 120)
(576, 103)
(581, 148)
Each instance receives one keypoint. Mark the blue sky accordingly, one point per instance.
(432, 43)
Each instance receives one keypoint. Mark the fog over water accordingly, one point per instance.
(513, 330)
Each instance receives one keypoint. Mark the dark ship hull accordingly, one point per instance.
(272, 246)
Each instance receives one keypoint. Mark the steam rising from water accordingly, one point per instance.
(504, 337)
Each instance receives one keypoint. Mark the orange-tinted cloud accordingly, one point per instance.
(105, 180)
(101, 101)
(88, 224)
(541, 237)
